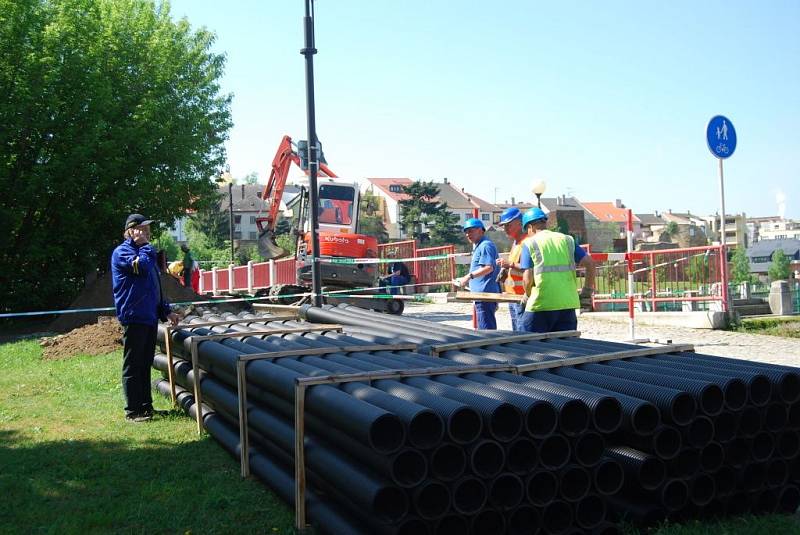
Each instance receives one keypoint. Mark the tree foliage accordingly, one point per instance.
(740, 271)
(779, 269)
(109, 107)
(370, 217)
(425, 219)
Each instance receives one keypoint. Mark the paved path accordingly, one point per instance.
(763, 348)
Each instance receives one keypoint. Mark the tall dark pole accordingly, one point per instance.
(313, 157)
(230, 215)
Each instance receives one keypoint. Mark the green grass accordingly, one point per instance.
(781, 326)
(70, 463)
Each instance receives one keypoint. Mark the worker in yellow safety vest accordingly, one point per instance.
(511, 274)
(549, 260)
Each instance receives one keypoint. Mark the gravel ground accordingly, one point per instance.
(757, 347)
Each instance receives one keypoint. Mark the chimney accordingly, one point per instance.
(513, 201)
(445, 180)
(242, 191)
(618, 203)
(656, 212)
(669, 210)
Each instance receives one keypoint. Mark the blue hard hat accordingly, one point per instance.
(534, 214)
(509, 215)
(473, 222)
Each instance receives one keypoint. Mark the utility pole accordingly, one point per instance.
(313, 153)
(230, 216)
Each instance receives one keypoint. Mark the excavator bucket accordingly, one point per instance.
(268, 248)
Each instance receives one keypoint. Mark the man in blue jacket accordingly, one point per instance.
(483, 270)
(140, 305)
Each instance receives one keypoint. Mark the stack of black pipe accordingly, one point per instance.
(558, 451)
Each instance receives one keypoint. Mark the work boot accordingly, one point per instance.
(154, 412)
(137, 417)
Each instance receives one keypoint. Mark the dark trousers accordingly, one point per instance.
(187, 278)
(484, 313)
(395, 281)
(548, 321)
(139, 347)
(516, 311)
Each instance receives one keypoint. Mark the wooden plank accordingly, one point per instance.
(602, 357)
(461, 297)
(511, 339)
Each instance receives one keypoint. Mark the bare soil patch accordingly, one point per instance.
(98, 338)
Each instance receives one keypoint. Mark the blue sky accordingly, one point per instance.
(603, 100)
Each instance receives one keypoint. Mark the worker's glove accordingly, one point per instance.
(586, 298)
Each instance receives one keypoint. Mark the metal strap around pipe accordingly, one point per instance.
(602, 357)
(496, 340)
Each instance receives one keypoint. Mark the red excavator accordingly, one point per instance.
(337, 210)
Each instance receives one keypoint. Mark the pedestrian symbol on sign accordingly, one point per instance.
(721, 137)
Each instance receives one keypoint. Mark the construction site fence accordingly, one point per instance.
(255, 276)
(681, 279)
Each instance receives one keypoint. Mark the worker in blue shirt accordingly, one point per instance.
(483, 270)
(139, 302)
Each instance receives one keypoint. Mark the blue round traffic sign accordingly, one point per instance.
(721, 137)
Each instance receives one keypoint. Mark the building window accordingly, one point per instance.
(396, 188)
(253, 236)
(485, 217)
(237, 219)
(252, 220)
(467, 215)
(237, 235)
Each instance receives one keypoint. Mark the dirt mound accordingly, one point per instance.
(98, 295)
(99, 338)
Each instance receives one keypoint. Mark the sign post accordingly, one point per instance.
(721, 139)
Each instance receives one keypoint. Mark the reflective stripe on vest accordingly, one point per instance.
(513, 283)
(554, 281)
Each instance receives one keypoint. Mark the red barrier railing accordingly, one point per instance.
(438, 270)
(398, 249)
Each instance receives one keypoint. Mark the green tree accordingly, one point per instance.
(420, 210)
(559, 225)
(779, 269)
(698, 268)
(741, 267)
(109, 107)
(165, 242)
(444, 229)
(671, 230)
(213, 222)
(251, 178)
(370, 217)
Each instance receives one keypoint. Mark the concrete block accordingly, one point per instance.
(780, 298)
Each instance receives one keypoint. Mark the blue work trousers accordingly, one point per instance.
(516, 311)
(547, 321)
(484, 312)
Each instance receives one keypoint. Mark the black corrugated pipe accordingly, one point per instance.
(762, 446)
(431, 500)
(522, 456)
(640, 468)
(523, 520)
(710, 398)
(737, 452)
(759, 386)
(606, 528)
(685, 464)
(554, 452)
(447, 462)
(640, 416)
(469, 495)
(701, 489)
(373, 426)
(738, 504)
(676, 405)
(608, 477)
(637, 510)
(557, 517)
(753, 476)
(777, 473)
(574, 482)
(506, 491)
(788, 444)
(725, 425)
(725, 480)
(735, 389)
(699, 432)
(590, 512)
(277, 477)
(789, 500)
(451, 525)
(673, 494)
(794, 470)
(665, 442)
(489, 522)
(749, 422)
(774, 417)
(765, 502)
(486, 458)
(794, 416)
(541, 487)
(463, 423)
(405, 467)
(606, 412)
(587, 449)
(712, 457)
(573, 414)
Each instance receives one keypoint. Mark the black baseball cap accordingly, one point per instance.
(134, 220)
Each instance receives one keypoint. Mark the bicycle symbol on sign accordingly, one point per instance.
(722, 148)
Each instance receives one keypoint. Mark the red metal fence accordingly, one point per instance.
(436, 270)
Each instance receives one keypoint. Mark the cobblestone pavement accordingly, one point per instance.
(757, 347)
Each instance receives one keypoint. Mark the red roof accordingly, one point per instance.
(608, 212)
(385, 185)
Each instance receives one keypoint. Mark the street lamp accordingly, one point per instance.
(538, 189)
(227, 177)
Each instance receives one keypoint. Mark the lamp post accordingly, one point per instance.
(227, 177)
(538, 189)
